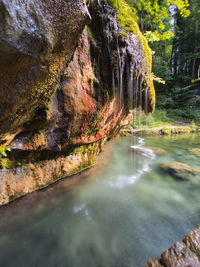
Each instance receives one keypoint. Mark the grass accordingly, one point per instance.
(158, 124)
(186, 115)
(158, 118)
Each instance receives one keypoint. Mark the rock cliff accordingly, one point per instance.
(37, 40)
(70, 88)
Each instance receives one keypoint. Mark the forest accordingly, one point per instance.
(173, 31)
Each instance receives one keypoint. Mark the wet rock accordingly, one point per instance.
(63, 84)
(181, 254)
(121, 56)
(147, 152)
(37, 40)
(32, 176)
(196, 151)
(192, 241)
(87, 105)
(179, 170)
(158, 151)
(153, 263)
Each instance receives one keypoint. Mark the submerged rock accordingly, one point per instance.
(158, 151)
(196, 151)
(148, 150)
(179, 170)
(143, 151)
(181, 254)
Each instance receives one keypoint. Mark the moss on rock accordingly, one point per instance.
(128, 21)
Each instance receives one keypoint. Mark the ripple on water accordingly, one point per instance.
(124, 212)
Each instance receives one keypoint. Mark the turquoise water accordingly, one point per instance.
(117, 214)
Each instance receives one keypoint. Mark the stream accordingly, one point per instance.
(119, 213)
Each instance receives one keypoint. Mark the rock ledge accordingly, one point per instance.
(182, 254)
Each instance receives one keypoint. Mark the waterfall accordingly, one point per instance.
(140, 93)
(136, 92)
(146, 100)
(113, 82)
(120, 59)
(130, 84)
(121, 65)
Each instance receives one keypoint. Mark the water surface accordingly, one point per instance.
(118, 214)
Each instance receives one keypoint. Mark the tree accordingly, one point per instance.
(154, 16)
(185, 59)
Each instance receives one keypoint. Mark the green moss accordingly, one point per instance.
(91, 38)
(58, 176)
(168, 130)
(149, 132)
(123, 34)
(12, 197)
(127, 20)
(47, 108)
(196, 253)
(165, 131)
(178, 130)
(4, 161)
(84, 165)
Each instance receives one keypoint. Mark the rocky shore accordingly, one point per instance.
(184, 253)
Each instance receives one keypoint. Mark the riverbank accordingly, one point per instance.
(158, 123)
(162, 130)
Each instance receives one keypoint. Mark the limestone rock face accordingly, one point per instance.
(70, 86)
(37, 40)
(91, 98)
(192, 240)
(181, 254)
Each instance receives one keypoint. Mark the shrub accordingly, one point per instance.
(158, 118)
(186, 115)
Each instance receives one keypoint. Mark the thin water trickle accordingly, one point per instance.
(125, 63)
(99, 3)
(113, 82)
(121, 65)
(130, 85)
(136, 91)
(146, 100)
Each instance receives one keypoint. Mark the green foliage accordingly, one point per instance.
(4, 161)
(178, 130)
(185, 61)
(90, 35)
(123, 34)
(195, 80)
(158, 118)
(154, 16)
(157, 79)
(186, 115)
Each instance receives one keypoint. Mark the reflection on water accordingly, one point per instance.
(120, 216)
